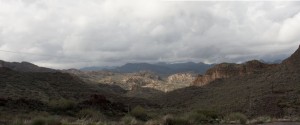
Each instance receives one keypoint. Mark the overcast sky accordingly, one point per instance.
(79, 33)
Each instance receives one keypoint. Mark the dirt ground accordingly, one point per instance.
(283, 123)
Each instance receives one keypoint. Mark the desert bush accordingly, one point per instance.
(139, 113)
(153, 122)
(61, 104)
(176, 121)
(39, 121)
(236, 117)
(262, 119)
(90, 113)
(129, 120)
(18, 122)
(45, 121)
(52, 121)
(203, 116)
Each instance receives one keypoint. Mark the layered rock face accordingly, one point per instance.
(226, 70)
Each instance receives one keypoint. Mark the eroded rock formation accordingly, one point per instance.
(226, 70)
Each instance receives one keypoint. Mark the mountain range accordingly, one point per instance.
(253, 88)
(161, 68)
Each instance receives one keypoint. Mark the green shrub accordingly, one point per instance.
(53, 121)
(129, 120)
(18, 122)
(39, 121)
(236, 117)
(176, 121)
(90, 113)
(62, 104)
(45, 121)
(262, 119)
(203, 116)
(139, 113)
(153, 122)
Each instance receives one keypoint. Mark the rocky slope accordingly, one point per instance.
(270, 92)
(41, 86)
(131, 81)
(293, 60)
(35, 86)
(25, 67)
(227, 70)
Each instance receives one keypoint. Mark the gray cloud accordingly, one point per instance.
(76, 33)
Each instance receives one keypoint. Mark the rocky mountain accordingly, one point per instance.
(34, 87)
(226, 70)
(132, 81)
(271, 90)
(253, 88)
(41, 86)
(25, 67)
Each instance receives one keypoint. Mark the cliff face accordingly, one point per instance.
(227, 70)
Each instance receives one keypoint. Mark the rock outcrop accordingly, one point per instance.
(186, 78)
(226, 70)
(253, 88)
(138, 80)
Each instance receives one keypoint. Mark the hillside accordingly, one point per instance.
(25, 67)
(131, 81)
(274, 92)
(252, 88)
(227, 70)
(37, 85)
(42, 86)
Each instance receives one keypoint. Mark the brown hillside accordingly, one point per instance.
(274, 92)
(41, 86)
(24, 67)
(294, 59)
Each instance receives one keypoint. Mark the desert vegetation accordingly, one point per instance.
(136, 116)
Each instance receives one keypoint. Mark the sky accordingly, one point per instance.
(81, 33)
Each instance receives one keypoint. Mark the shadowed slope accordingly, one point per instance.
(275, 92)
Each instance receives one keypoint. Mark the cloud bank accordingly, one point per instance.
(77, 33)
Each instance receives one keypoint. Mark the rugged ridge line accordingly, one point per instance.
(227, 70)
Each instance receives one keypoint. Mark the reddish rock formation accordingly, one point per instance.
(226, 70)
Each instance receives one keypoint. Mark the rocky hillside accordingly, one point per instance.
(227, 70)
(143, 79)
(273, 91)
(25, 67)
(41, 86)
(35, 88)
(293, 60)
